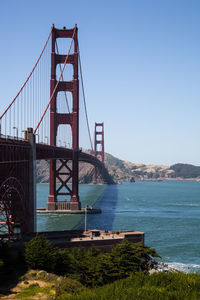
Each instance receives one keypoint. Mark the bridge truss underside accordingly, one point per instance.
(17, 207)
(15, 199)
(51, 152)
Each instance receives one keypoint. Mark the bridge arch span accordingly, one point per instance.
(12, 206)
(50, 152)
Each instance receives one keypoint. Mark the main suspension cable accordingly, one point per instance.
(83, 91)
(28, 76)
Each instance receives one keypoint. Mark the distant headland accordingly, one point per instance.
(121, 171)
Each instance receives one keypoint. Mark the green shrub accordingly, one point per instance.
(63, 263)
(68, 286)
(30, 291)
(124, 259)
(40, 254)
(91, 268)
(48, 277)
(84, 264)
(141, 286)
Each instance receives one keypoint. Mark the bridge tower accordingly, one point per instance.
(98, 147)
(66, 170)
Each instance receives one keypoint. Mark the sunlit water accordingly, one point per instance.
(167, 211)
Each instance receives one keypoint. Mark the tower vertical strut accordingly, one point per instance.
(64, 170)
(98, 151)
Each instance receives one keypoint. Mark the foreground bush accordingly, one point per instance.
(141, 286)
(91, 268)
(45, 285)
(95, 269)
(11, 266)
(66, 286)
(40, 254)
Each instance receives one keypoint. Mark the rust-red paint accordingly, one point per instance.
(14, 186)
(71, 119)
(99, 140)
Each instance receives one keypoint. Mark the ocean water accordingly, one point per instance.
(167, 211)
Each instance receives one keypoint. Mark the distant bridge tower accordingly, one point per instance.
(67, 169)
(98, 147)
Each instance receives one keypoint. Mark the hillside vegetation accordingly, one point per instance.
(76, 270)
(141, 286)
(90, 275)
(121, 170)
(186, 171)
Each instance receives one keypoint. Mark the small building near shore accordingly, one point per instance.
(104, 240)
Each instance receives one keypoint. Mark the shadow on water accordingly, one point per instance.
(104, 197)
(107, 202)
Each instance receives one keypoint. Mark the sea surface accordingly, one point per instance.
(167, 211)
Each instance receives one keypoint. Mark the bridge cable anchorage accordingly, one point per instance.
(52, 95)
(83, 91)
(63, 80)
(27, 77)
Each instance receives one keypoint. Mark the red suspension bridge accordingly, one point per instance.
(39, 126)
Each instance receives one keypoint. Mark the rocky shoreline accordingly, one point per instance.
(170, 179)
(162, 267)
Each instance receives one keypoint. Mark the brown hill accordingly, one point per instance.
(118, 169)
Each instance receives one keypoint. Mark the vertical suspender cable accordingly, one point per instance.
(27, 77)
(21, 115)
(14, 117)
(33, 112)
(42, 88)
(30, 104)
(5, 126)
(18, 119)
(39, 99)
(16, 113)
(10, 133)
(38, 114)
(24, 108)
(84, 98)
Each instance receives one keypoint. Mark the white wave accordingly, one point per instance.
(187, 268)
(129, 199)
(189, 204)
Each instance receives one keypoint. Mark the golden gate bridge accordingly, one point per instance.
(37, 125)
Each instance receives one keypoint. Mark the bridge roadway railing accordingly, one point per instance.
(44, 151)
(13, 150)
(16, 150)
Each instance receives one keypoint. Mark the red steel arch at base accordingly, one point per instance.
(12, 205)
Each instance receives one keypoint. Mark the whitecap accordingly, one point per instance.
(187, 268)
(128, 199)
(185, 205)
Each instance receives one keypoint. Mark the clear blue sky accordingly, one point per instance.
(141, 64)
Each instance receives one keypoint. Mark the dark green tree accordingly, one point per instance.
(63, 262)
(40, 254)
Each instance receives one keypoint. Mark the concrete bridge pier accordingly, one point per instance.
(31, 203)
